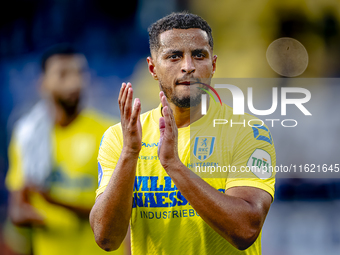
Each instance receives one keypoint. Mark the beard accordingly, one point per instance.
(70, 105)
(182, 101)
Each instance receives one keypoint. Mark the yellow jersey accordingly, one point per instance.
(72, 181)
(162, 220)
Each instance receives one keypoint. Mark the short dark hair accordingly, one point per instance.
(177, 20)
(58, 49)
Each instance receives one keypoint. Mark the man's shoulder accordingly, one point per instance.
(95, 122)
(240, 126)
(98, 118)
(229, 113)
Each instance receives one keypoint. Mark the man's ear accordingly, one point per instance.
(214, 63)
(152, 67)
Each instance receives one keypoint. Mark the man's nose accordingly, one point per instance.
(188, 65)
(75, 82)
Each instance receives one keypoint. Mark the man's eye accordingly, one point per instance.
(200, 55)
(173, 57)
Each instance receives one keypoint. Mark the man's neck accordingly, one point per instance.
(185, 116)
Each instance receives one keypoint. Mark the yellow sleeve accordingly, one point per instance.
(15, 177)
(253, 161)
(108, 156)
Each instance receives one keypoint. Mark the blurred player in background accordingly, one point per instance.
(52, 163)
(148, 158)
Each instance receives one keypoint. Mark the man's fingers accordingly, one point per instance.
(121, 93)
(135, 111)
(161, 124)
(128, 104)
(163, 99)
(123, 98)
(161, 94)
(166, 103)
(167, 119)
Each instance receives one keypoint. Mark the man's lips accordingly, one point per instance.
(186, 83)
(183, 83)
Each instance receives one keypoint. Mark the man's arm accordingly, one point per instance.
(238, 215)
(21, 212)
(110, 215)
(82, 212)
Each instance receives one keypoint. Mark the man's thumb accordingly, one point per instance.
(161, 124)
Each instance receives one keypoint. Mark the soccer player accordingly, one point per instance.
(52, 157)
(146, 162)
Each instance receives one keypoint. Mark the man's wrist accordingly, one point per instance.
(130, 153)
(173, 164)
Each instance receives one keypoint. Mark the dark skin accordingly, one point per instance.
(61, 84)
(238, 215)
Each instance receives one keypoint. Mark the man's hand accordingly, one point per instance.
(131, 127)
(167, 146)
(238, 215)
(111, 213)
(21, 212)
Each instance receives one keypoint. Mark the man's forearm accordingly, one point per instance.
(82, 212)
(111, 213)
(21, 212)
(234, 218)
(237, 216)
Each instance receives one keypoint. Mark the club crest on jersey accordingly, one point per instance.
(204, 147)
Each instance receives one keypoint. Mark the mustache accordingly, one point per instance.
(190, 79)
(193, 80)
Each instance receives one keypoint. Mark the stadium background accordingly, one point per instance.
(304, 218)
